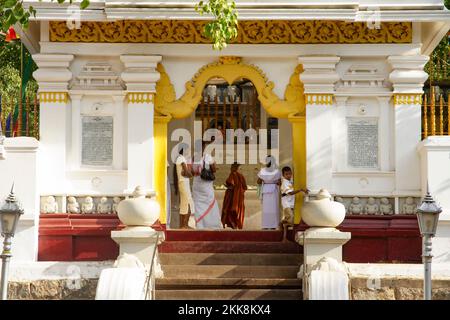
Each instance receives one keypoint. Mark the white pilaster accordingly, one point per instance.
(75, 134)
(385, 133)
(319, 78)
(53, 77)
(407, 78)
(140, 77)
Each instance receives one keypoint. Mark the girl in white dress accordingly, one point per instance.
(269, 177)
(207, 214)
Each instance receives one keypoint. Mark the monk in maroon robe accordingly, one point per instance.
(233, 208)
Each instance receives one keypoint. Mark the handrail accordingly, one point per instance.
(151, 270)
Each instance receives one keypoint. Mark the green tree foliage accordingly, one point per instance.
(10, 68)
(438, 67)
(14, 12)
(220, 30)
(223, 28)
(9, 89)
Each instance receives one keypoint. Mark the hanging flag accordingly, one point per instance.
(26, 65)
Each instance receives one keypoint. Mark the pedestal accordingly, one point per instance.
(321, 242)
(138, 241)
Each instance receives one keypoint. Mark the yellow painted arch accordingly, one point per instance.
(230, 69)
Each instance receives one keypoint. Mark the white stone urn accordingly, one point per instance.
(139, 210)
(323, 212)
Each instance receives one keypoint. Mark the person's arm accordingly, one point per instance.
(259, 181)
(305, 191)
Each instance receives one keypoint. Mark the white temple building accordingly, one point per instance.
(342, 81)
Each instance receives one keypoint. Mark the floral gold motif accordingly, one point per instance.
(249, 32)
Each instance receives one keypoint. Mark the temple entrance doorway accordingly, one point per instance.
(231, 116)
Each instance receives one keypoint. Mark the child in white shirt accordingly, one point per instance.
(288, 197)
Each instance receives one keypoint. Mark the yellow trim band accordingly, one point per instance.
(407, 99)
(53, 97)
(319, 99)
(140, 97)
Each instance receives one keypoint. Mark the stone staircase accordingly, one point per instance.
(228, 265)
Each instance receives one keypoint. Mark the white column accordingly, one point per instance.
(53, 77)
(75, 131)
(385, 133)
(407, 78)
(319, 78)
(340, 134)
(140, 77)
(120, 133)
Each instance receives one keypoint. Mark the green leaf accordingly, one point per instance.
(9, 3)
(84, 4)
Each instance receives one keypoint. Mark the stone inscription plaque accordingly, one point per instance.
(97, 141)
(362, 138)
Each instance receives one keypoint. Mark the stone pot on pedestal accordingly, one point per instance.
(139, 210)
(323, 212)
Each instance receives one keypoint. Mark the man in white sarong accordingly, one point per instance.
(207, 214)
(269, 177)
(182, 186)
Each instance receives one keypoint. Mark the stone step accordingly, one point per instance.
(230, 259)
(228, 247)
(226, 283)
(230, 294)
(225, 235)
(230, 271)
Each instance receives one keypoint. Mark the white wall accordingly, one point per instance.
(20, 168)
(435, 170)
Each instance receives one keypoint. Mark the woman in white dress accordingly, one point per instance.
(207, 214)
(270, 177)
(182, 173)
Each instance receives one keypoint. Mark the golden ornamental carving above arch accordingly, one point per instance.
(230, 69)
(249, 32)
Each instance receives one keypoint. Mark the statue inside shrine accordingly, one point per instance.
(386, 207)
(116, 201)
(409, 207)
(232, 93)
(104, 206)
(371, 207)
(72, 205)
(356, 206)
(211, 91)
(88, 205)
(50, 206)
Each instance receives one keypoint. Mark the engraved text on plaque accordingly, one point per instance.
(362, 138)
(97, 141)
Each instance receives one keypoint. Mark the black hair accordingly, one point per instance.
(286, 169)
